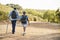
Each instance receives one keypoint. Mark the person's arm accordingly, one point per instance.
(19, 18)
(17, 15)
(28, 21)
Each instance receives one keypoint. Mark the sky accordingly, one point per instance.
(35, 4)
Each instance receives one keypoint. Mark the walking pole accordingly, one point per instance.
(6, 28)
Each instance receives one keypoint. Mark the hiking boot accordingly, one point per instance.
(12, 32)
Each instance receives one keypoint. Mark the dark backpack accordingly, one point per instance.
(13, 16)
(23, 19)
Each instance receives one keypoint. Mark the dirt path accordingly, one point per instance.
(36, 31)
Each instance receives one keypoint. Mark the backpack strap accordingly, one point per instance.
(25, 15)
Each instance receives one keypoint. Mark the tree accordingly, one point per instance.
(15, 6)
(46, 16)
(58, 15)
(57, 10)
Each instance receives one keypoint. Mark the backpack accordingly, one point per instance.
(23, 19)
(13, 16)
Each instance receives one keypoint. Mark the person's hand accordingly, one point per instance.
(28, 23)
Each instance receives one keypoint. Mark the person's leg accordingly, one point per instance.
(24, 29)
(13, 26)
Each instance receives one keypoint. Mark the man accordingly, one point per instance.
(13, 16)
(24, 21)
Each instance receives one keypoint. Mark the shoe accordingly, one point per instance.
(24, 33)
(12, 32)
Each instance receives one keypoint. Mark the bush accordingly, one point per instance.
(35, 19)
(3, 15)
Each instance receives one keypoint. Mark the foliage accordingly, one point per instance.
(49, 15)
(58, 15)
(33, 14)
(3, 15)
(14, 6)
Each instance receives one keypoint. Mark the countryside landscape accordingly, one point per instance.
(44, 24)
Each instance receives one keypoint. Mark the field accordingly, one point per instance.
(34, 31)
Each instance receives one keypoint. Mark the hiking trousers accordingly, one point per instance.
(13, 26)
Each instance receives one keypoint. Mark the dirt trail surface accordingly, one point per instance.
(35, 31)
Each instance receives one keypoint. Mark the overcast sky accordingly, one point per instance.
(35, 4)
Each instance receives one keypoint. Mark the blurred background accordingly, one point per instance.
(44, 16)
(37, 10)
